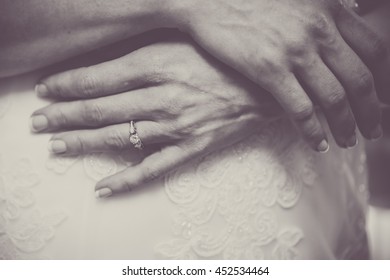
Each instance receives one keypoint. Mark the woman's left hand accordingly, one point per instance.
(183, 101)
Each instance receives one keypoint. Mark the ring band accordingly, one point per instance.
(134, 137)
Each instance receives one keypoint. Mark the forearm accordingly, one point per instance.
(41, 32)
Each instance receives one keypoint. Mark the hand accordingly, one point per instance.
(291, 48)
(183, 101)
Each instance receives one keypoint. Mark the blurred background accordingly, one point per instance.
(378, 158)
(378, 153)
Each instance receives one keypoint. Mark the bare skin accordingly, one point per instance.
(304, 57)
(207, 137)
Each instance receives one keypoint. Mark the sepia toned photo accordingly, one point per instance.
(201, 130)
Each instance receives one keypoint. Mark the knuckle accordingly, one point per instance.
(302, 59)
(187, 126)
(313, 132)
(61, 118)
(174, 130)
(272, 63)
(171, 108)
(297, 48)
(196, 146)
(127, 186)
(92, 112)
(114, 140)
(320, 24)
(79, 143)
(364, 84)
(335, 100)
(303, 112)
(150, 174)
(57, 86)
(87, 84)
(173, 104)
(380, 50)
(182, 131)
(173, 125)
(156, 73)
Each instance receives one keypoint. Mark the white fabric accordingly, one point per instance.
(267, 197)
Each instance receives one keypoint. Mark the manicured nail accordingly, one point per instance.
(377, 133)
(323, 147)
(38, 123)
(41, 90)
(57, 146)
(352, 141)
(103, 193)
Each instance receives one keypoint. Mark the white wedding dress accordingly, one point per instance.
(268, 197)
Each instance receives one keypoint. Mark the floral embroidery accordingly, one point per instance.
(242, 194)
(185, 187)
(228, 208)
(266, 226)
(287, 239)
(60, 165)
(283, 252)
(23, 229)
(290, 237)
(206, 243)
(17, 194)
(99, 165)
(31, 233)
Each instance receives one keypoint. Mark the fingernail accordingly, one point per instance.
(352, 141)
(377, 133)
(57, 146)
(41, 90)
(38, 123)
(103, 193)
(323, 147)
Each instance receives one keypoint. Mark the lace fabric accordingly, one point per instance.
(23, 229)
(231, 204)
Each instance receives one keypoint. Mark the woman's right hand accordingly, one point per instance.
(302, 52)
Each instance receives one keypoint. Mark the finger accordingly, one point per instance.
(148, 170)
(138, 104)
(110, 138)
(115, 76)
(330, 94)
(362, 39)
(370, 47)
(358, 83)
(299, 107)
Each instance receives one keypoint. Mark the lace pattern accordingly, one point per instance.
(23, 229)
(227, 208)
(240, 193)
